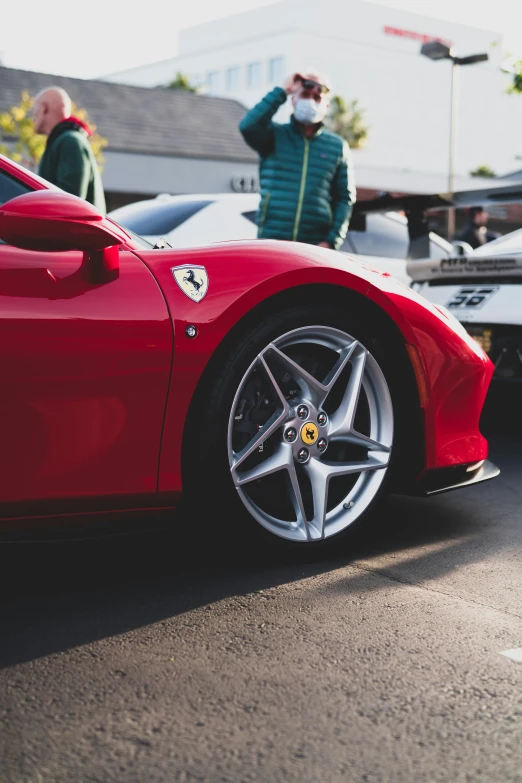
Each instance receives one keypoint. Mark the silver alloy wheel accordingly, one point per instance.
(329, 474)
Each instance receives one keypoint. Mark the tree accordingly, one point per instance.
(182, 82)
(16, 126)
(347, 119)
(516, 70)
(483, 171)
(27, 147)
(513, 67)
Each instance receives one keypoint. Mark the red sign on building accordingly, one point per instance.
(414, 36)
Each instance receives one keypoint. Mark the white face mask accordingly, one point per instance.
(308, 111)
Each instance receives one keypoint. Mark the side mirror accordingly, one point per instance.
(48, 220)
(462, 248)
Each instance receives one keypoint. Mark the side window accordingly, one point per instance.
(384, 237)
(10, 188)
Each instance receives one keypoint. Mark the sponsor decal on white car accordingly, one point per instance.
(465, 266)
(471, 297)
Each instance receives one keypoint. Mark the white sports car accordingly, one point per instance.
(483, 290)
(202, 219)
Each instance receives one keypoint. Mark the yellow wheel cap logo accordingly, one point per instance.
(309, 433)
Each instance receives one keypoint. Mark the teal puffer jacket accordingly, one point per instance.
(307, 184)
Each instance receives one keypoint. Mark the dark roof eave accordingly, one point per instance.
(195, 156)
(123, 114)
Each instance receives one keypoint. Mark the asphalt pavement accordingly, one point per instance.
(169, 658)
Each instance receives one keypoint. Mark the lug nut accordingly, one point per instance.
(302, 412)
(322, 418)
(322, 443)
(290, 435)
(302, 455)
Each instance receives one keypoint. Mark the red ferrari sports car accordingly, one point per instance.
(276, 383)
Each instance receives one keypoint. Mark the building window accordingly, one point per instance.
(233, 79)
(253, 74)
(213, 81)
(275, 70)
(197, 79)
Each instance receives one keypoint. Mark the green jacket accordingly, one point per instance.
(69, 162)
(307, 184)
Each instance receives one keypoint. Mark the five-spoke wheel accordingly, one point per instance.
(310, 433)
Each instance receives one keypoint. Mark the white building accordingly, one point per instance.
(372, 53)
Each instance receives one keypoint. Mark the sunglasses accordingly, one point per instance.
(309, 84)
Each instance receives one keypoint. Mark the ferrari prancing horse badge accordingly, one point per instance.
(193, 280)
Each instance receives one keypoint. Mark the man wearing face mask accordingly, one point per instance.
(305, 170)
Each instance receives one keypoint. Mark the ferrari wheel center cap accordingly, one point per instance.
(309, 433)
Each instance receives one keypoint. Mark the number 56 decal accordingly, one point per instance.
(472, 297)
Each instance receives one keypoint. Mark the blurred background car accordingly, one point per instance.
(482, 290)
(202, 219)
(480, 287)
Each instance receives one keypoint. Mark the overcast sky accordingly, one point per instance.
(106, 36)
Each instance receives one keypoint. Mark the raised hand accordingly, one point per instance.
(292, 83)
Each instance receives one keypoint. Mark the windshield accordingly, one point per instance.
(142, 243)
(156, 217)
(384, 236)
(510, 243)
(387, 236)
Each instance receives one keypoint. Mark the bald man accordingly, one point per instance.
(305, 170)
(68, 160)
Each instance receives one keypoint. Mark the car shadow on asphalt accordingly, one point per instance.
(54, 597)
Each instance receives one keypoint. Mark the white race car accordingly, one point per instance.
(483, 291)
(483, 288)
(381, 240)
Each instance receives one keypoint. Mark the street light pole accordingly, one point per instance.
(436, 50)
(455, 83)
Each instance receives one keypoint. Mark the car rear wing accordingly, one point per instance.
(458, 270)
(417, 207)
